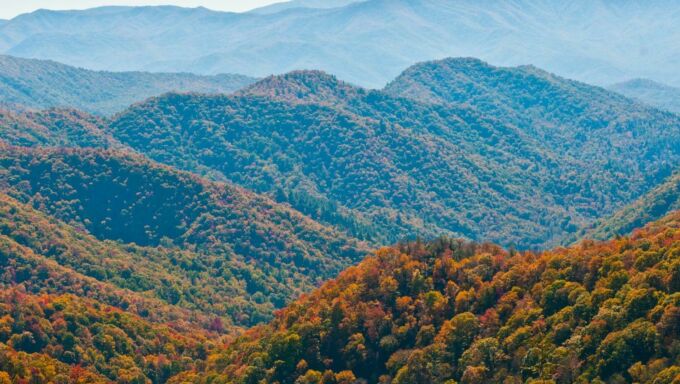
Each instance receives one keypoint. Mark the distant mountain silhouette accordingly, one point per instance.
(294, 4)
(366, 43)
(650, 92)
(44, 84)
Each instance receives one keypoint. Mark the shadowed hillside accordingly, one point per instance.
(243, 247)
(653, 205)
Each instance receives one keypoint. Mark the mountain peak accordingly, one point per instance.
(640, 82)
(457, 63)
(303, 86)
(414, 82)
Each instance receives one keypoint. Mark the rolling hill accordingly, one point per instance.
(517, 168)
(63, 338)
(223, 250)
(54, 128)
(454, 312)
(572, 118)
(40, 84)
(650, 92)
(366, 43)
(44, 256)
(77, 309)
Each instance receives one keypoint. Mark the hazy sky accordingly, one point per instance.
(11, 8)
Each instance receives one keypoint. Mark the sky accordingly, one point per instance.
(11, 8)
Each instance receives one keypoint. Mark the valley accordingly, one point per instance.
(340, 192)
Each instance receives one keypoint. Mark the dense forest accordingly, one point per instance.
(54, 128)
(449, 311)
(246, 255)
(594, 127)
(39, 335)
(455, 147)
(524, 171)
(39, 84)
(444, 311)
(140, 247)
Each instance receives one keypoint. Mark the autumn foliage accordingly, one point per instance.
(456, 312)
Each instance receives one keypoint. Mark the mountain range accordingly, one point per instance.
(371, 163)
(311, 140)
(366, 43)
(437, 312)
(236, 237)
(296, 4)
(39, 84)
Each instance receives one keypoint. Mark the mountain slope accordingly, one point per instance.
(292, 4)
(383, 167)
(54, 128)
(257, 253)
(366, 43)
(453, 312)
(71, 339)
(653, 205)
(647, 91)
(362, 157)
(42, 255)
(45, 84)
(573, 117)
(75, 309)
(585, 123)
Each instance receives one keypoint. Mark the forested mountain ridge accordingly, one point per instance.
(365, 161)
(54, 128)
(118, 267)
(387, 164)
(260, 254)
(454, 312)
(40, 84)
(570, 116)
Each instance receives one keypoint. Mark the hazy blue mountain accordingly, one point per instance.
(315, 4)
(367, 43)
(650, 92)
(46, 84)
